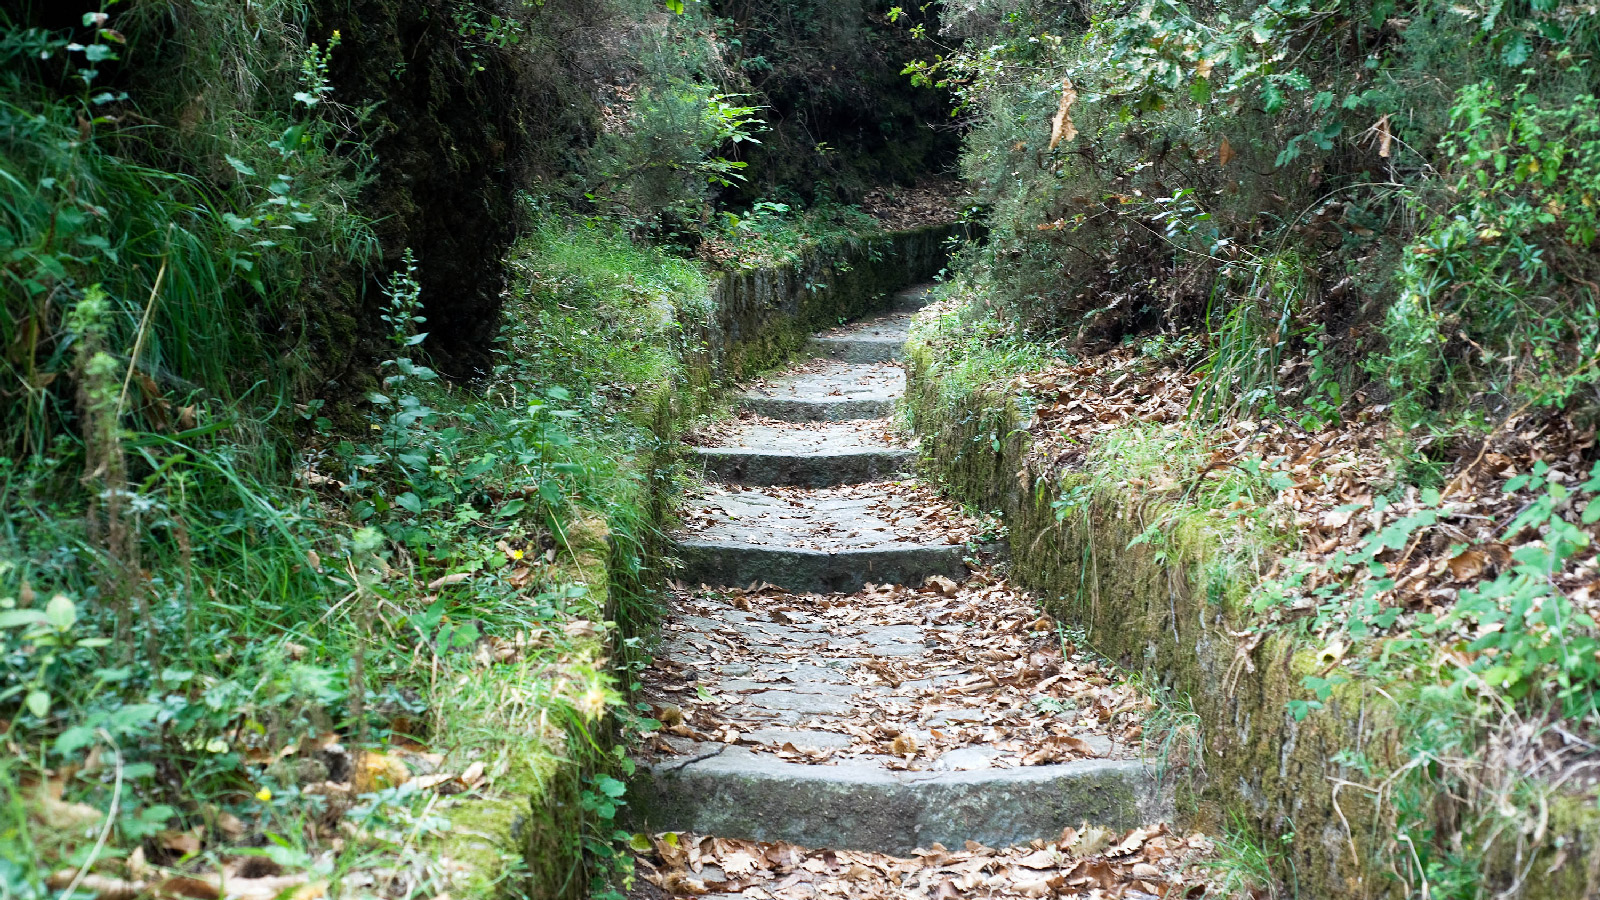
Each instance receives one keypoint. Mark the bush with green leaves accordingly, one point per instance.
(1423, 166)
(1497, 303)
(688, 117)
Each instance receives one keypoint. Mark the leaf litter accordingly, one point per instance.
(924, 671)
(1085, 862)
(907, 511)
(1334, 491)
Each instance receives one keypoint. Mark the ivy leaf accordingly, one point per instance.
(1516, 50)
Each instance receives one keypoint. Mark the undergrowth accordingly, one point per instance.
(212, 642)
(1492, 690)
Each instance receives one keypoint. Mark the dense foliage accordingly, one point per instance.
(333, 343)
(1366, 230)
(1406, 185)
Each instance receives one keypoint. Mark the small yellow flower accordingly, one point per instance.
(516, 554)
(593, 703)
(264, 795)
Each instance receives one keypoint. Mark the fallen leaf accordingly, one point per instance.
(104, 887)
(1468, 565)
(1061, 127)
(1040, 859)
(1091, 840)
(183, 843)
(1039, 887)
(445, 580)
(1337, 518)
(376, 771)
(55, 813)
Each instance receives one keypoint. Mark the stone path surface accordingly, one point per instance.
(772, 452)
(844, 667)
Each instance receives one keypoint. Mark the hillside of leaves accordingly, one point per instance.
(1319, 280)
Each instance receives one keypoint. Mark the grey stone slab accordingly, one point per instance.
(689, 748)
(832, 392)
(796, 702)
(732, 563)
(1100, 744)
(804, 469)
(861, 804)
(798, 636)
(802, 674)
(703, 625)
(896, 650)
(802, 740)
(935, 681)
(743, 685)
(816, 438)
(768, 717)
(966, 759)
(915, 297)
(960, 717)
(800, 541)
(878, 340)
(892, 634)
(858, 349)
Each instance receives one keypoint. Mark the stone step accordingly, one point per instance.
(820, 455)
(878, 340)
(915, 297)
(861, 804)
(800, 469)
(814, 541)
(827, 392)
(852, 349)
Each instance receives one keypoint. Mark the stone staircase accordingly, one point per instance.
(811, 502)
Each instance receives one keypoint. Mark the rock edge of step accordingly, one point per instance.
(803, 469)
(735, 564)
(859, 350)
(816, 410)
(860, 804)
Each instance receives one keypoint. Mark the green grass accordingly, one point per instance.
(598, 314)
(970, 349)
(1248, 864)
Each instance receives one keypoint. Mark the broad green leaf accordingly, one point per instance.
(61, 612)
(17, 618)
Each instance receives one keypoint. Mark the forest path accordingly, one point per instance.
(846, 676)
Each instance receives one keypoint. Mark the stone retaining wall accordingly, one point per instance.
(1167, 613)
(763, 314)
